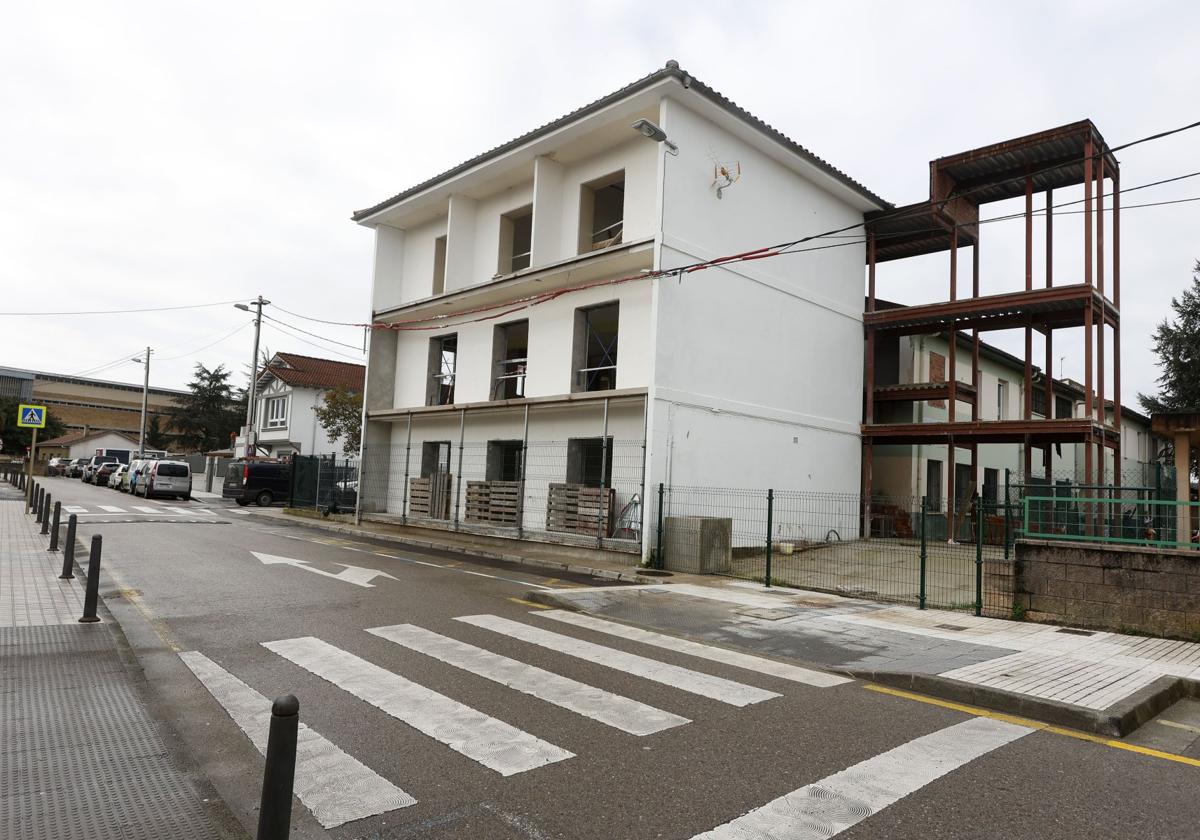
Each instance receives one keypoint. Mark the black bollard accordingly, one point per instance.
(93, 582)
(35, 498)
(46, 515)
(275, 811)
(54, 527)
(37, 513)
(68, 572)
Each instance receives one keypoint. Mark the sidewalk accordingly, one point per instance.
(81, 756)
(1094, 681)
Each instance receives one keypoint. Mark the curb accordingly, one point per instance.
(1116, 721)
(630, 575)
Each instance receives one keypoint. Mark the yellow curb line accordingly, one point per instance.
(525, 603)
(1033, 724)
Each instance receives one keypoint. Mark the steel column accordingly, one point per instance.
(524, 462)
(458, 482)
(407, 459)
(950, 498)
(600, 529)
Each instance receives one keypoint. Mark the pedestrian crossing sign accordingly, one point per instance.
(31, 416)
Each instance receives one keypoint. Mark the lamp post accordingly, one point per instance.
(145, 394)
(258, 304)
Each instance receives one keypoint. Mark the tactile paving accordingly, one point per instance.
(80, 758)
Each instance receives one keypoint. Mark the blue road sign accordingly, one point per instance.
(31, 416)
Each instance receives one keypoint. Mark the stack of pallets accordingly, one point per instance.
(429, 496)
(577, 509)
(494, 503)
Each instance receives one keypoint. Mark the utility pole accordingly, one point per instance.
(145, 395)
(258, 304)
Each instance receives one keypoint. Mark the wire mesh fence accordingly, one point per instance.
(891, 549)
(585, 491)
(323, 482)
(1114, 520)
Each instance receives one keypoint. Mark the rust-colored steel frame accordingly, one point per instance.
(1043, 310)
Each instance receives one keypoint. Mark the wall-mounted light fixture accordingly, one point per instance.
(653, 132)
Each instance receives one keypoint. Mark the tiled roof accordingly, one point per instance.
(671, 70)
(71, 438)
(310, 372)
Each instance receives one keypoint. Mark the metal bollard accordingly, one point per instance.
(54, 527)
(68, 572)
(46, 515)
(275, 810)
(36, 498)
(93, 582)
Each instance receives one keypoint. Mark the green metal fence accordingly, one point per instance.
(1104, 519)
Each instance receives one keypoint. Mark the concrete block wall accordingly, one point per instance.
(1147, 590)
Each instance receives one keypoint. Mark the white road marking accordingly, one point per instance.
(239, 512)
(147, 509)
(830, 806)
(74, 509)
(336, 787)
(491, 742)
(183, 511)
(112, 509)
(356, 575)
(694, 682)
(596, 703)
(715, 654)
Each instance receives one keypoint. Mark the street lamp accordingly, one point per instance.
(652, 132)
(145, 392)
(258, 304)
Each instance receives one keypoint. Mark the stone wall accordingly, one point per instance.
(1148, 590)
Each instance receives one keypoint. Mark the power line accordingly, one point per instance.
(106, 365)
(310, 318)
(306, 332)
(126, 311)
(206, 346)
(277, 327)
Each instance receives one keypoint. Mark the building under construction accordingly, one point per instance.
(949, 220)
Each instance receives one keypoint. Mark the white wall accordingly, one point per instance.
(774, 345)
(302, 433)
(111, 440)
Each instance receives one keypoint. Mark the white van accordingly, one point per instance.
(167, 478)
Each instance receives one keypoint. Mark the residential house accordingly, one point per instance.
(543, 355)
(288, 391)
(84, 444)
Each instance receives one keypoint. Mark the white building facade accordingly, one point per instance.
(542, 358)
(289, 390)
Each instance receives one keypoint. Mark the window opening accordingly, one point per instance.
(516, 240)
(602, 213)
(510, 352)
(504, 460)
(589, 462)
(443, 363)
(596, 336)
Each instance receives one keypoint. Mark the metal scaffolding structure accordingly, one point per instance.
(959, 184)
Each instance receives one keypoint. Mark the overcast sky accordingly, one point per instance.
(168, 154)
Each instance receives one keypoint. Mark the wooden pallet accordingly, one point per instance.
(429, 497)
(494, 503)
(576, 509)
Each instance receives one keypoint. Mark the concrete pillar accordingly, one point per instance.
(1183, 486)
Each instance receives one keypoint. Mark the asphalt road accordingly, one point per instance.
(180, 588)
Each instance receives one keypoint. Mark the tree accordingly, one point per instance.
(156, 438)
(1177, 344)
(340, 415)
(17, 439)
(207, 416)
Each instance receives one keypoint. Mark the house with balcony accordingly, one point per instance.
(556, 329)
(288, 391)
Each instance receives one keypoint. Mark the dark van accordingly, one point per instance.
(261, 482)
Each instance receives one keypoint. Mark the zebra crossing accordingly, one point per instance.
(508, 750)
(148, 510)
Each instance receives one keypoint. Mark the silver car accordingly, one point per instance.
(167, 478)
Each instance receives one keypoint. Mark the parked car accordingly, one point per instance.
(102, 472)
(94, 464)
(167, 478)
(261, 482)
(136, 468)
(75, 468)
(57, 466)
(114, 480)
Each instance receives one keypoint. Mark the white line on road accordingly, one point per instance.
(715, 654)
(491, 742)
(694, 682)
(830, 806)
(74, 509)
(147, 509)
(112, 509)
(336, 787)
(596, 703)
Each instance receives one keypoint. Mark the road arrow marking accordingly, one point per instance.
(356, 575)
